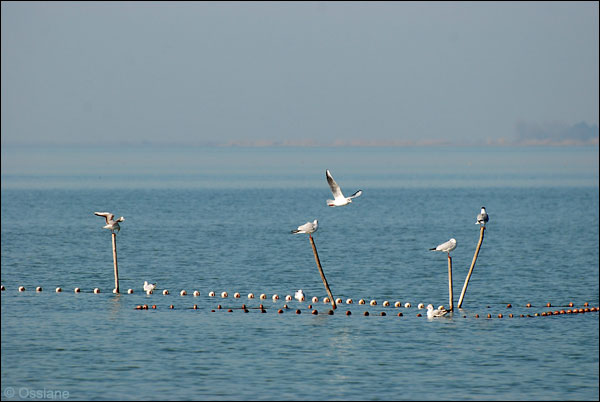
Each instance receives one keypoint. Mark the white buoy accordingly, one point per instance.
(349, 301)
(96, 290)
(288, 298)
(237, 295)
(275, 297)
(263, 296)
(21, 288)
(58, 290)
(224, 294)
(115, 291)
(361, 301)
(211, 294)
(338, 300)
(196, 293)
(38, 289)
(165, 292)
(77, 290)
(129, 291)
(149, 292)
(315, 299)
(183, 293)
(420, 306)
(250, 295)
(373, 303)
(397, 304)
(407, 305)
(326, 300)
(386, 303)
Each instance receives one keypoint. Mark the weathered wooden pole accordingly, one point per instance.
(312, 243)
(450, 283)
(114, 247)
(464, 289)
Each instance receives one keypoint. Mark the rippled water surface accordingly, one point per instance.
(225, 233)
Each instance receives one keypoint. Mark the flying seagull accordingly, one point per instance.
(339, 198)
(308, 227)
(446, 247)
(482, 218)
(434, 313)
(111, 223)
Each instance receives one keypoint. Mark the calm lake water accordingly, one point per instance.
(219, 219)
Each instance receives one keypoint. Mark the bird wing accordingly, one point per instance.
(335, 189)
(107, 215)
(357, 194)
(444, 246)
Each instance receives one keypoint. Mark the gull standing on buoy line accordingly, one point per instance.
(299, 295)
(482, 218)
(149, 286)
(111, 223)
(446, 247)
(308, 227)
(434, 313)
(339, 198)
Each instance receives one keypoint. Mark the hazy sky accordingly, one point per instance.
(299, 72)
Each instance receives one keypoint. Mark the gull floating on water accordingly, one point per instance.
(434, 313)
(149, 286)
(299, 295)
(446, 247)
(482, 218)
(111, 223)
(339, 198)
(308, 227)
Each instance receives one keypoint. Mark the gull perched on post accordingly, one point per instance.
(339, 198)
(308, 227)
(446, 247)
(482, 218)
(111, 223)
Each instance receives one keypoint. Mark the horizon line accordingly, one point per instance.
(313, 144)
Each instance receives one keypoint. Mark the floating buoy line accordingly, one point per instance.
(548, 309)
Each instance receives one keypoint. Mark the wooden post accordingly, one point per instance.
(464, 289)
(450, 283)
(312, 242)
(114, 247)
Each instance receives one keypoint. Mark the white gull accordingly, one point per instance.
(299, 295)
(308, 227)
(434, 313)
(111, 223)
(339, 198)
(446, 247)
(483, 217)
(149, 286)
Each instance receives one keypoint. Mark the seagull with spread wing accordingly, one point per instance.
(111, 223)
(339, 198)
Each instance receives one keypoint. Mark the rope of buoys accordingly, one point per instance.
(559, 309)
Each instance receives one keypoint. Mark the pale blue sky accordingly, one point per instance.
(296, 72)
